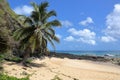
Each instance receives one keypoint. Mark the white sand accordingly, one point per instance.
(66, 69)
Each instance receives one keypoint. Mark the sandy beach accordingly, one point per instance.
(66, 69)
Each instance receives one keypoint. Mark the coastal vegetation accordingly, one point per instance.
(6, 77)
(22, 36)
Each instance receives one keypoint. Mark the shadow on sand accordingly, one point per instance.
(37, 64)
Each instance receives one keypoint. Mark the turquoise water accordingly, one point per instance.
(96, 53)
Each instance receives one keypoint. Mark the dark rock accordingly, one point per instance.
(80, 57)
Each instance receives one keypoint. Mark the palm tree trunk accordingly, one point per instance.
(26, 55)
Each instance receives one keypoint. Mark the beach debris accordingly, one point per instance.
(24, 68)
(56, 78)
(24, 73)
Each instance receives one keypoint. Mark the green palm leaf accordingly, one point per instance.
(53, 23)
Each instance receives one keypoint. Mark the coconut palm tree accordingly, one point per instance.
(37, 30)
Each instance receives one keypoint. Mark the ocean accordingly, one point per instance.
(94, 53)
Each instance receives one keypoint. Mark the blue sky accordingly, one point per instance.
(86, 24)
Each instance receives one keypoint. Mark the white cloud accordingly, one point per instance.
(113, 24)
(66, 23)
(59, 36)
(87, 21)
(69, 38)
(86, 33)
(85, 36)
(26, 10)
(89, 41)
(107, 39)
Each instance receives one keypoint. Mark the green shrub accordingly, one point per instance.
(29, 60)
(6, 77)
(1, 57)
(12, 58)
(15, 59)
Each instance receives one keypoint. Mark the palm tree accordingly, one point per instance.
(37, 30)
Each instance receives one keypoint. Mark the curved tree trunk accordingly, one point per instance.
(26, 55)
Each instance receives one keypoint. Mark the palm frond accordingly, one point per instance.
(49, 14)
(21, 33)
(35, 6)
(50, 41)
(43, 6)
(35, 15)
(51, 31)
(30, 21)
(51, 35)
(53, 23)
(56, 39)
(42, 10)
